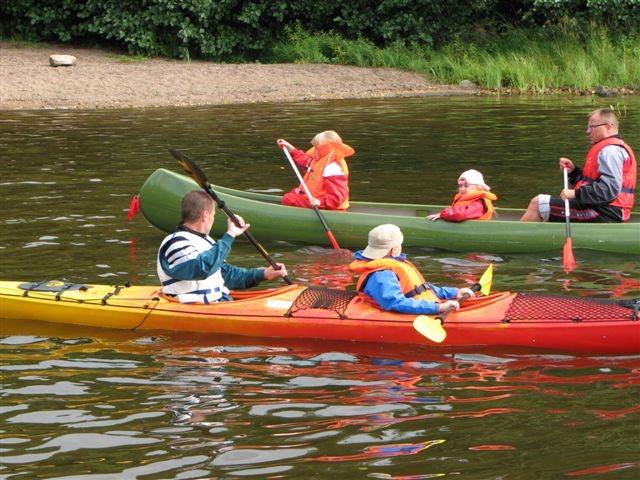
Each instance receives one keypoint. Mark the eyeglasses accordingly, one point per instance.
(591, 127)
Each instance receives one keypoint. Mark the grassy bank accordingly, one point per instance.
(521, 61)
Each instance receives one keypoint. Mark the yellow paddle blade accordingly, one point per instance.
(430, 328)
(486, 279)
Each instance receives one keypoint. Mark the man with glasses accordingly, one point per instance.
(603, 189)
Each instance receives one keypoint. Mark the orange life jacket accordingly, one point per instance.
(591, 173)
(323, 155)
(412, 283)
(467, 198)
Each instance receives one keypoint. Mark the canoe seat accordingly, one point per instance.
(322, 298)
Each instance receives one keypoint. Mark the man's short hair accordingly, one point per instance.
(606, 115)
(194, 203)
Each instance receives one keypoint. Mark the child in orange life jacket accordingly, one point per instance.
(327, 174)
(389, 281)
(473, 201)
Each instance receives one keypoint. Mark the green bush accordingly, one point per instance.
(621, 17)
(226, 29)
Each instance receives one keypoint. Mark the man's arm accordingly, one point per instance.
(575, 176)
(237, 278)
(180, 260)
(609, 185)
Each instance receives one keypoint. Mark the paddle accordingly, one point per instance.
(568, 260)
(198, 175)
(332, 239)
(432, 327)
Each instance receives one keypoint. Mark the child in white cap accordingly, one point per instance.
(474, 201)
(389, 281)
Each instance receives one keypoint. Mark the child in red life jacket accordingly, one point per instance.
(326, 175)
(473, 201)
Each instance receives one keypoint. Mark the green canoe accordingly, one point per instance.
(162, 192)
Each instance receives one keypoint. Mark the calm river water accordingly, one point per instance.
(97, 404)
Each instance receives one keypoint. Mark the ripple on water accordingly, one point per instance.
(86, 363)
(251, 456)
(39, 244)
(21, 340)
(78, 441)
(60, 389)
(216, 407)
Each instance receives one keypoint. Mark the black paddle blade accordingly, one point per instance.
(190, 168)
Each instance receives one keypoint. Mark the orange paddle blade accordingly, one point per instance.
(568, 259)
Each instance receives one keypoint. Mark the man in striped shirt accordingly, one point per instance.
(192, 266)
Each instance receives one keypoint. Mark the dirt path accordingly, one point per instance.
(105, 80)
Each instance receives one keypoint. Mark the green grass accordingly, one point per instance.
(15, 42)
(128, 58)
(524, 61)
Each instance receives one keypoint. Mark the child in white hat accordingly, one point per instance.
(389, 281)
(474, 201)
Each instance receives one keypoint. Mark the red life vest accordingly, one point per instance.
(591, 173)
(323, 155)
(412, 283)
(469, 197)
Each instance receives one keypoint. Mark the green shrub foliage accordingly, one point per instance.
(227, 29)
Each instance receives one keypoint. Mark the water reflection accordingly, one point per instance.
(89, 404)
(183, 406)
(85, 165)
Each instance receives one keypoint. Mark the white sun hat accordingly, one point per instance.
(473, 177)
(382, 239)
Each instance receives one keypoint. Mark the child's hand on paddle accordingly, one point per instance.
(465, 291)
(449, 305)
(282, 143)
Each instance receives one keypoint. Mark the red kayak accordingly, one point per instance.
(501, 319)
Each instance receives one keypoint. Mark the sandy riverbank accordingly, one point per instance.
(102, 79)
